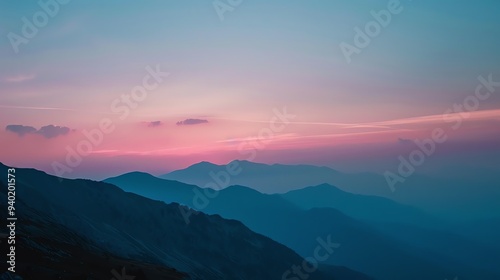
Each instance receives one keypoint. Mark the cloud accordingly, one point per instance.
(48, 131)
(192, 122)
(20, 130)
(51, 131)
(154, 123)
(404, 141)
(19, 78)
(52, 108)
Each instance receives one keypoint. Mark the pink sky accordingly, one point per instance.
(138, 145)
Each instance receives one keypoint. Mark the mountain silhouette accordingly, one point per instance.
(67, 217)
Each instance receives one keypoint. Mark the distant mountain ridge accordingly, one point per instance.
(282, 220)
(449, 198)
(275, 178)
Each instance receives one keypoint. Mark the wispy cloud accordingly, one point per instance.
(166, 151)
(52, 108)
(19, 78)
(256, 138)
(433, 119)
(392, 124)
(345, 125)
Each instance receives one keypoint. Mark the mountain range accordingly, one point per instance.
(152, 228)
(79, 229)
(361, 227)
(458, 197)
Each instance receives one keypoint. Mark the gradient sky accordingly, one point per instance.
(264, 56)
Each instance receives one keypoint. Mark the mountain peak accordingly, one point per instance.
(240, 188)
(137, 174)
(203, 164)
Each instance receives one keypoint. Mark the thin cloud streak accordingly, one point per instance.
(51, 108)
(432, 119)
(389, 124)
(342, 125)
(142, 153)
(19, 78)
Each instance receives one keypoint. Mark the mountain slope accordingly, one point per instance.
(133, 227)
(362, 207)
(45, 249)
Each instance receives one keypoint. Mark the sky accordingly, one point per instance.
(265, 81)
